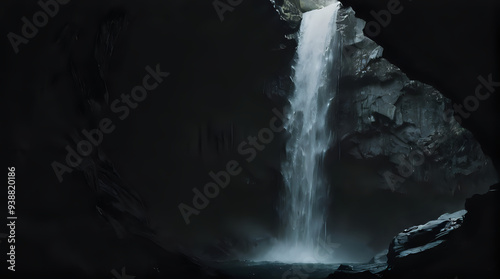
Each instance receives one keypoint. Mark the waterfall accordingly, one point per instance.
(304, 202)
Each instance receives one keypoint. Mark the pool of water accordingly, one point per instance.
(278, 270)
(272, 270)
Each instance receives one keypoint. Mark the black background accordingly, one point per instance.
(170, 143)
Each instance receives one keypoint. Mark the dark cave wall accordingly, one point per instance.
(64, 80)
(226, 77)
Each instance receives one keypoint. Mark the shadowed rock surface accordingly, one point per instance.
(459, 245)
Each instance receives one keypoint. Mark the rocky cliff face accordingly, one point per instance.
(452, 53)
(397, 150)
(381, 114)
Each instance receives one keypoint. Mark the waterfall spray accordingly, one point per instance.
(304, 200)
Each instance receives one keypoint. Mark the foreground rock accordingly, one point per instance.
(459, 245)
(414, 242)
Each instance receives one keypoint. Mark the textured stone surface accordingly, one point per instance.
(383, 113)
(289, 11)
(396, 152)
(418, 239)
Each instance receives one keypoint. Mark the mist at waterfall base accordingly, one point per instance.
(304, 201)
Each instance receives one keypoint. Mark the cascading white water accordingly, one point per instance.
(303, 204)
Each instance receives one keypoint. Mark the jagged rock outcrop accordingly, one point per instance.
(291, 10)
(453, 54)
(416, 241)
(382, 114)
(462, 244)
(458, 245)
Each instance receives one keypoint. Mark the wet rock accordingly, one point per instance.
(415, 241)
(379, 258)
(308, 5)
(345, 267)
(463, 244)
(289, 11)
